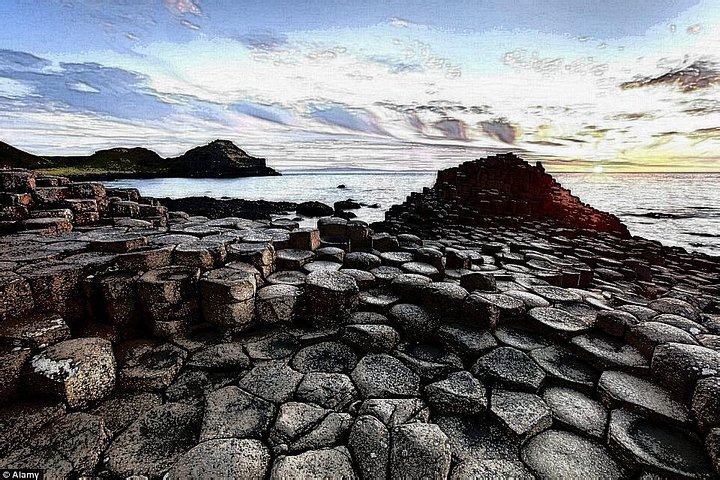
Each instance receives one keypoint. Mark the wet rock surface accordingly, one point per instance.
(472, 334)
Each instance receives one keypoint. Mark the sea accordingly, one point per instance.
(679, 209)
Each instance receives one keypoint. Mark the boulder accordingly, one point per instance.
(313, 209)
(522, 414)
(223, 458)
(510, 368)
(370, 446)
(559, 454)
(652, 446)
(331, 293)
(459, 394)
(155, 441)
(330, 463)
(678, 367)
(383, 376)
(79, 371)
(419, 450)
(231, 412)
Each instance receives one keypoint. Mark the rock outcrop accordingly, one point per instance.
(260, 349)
(219, 158)
(502, 189)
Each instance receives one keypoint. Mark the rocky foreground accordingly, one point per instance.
(460, 338)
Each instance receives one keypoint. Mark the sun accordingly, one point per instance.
(598, 169)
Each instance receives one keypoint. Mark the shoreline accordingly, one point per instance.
(447, 330)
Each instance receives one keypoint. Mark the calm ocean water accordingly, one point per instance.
(676, 209)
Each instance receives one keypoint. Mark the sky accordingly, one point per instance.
(617, 85)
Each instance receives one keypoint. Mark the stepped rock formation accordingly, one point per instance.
(502, 188)
(176, 346)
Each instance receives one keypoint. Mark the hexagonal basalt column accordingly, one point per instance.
(169, 299)
(79, 371)
(331, 293)
(228, 297)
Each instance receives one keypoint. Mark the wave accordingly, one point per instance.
(662, 215)
(702, 234)
(710, 212)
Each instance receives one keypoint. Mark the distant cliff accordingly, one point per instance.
(218, 159)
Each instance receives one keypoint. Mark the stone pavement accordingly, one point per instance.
(190, 347)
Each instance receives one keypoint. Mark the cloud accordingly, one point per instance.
(271, 113)
(397, 66)
(263, 41)
(500, 129)
(632, 116)
(190, 25)
(440, 107)
(182, 7)
(400, 22)
(697, 75)
(80, 87)
(346, 117)
(701, 106)
(12, 61)
(522, 59)
(452, 128)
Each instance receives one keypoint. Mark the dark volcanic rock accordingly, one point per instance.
(79, 371)
(383, 376)
(459, 394)
(576, 411)
(558, 454)
(370, 445)
(522, 414)
(511, 368)
(505, 185)
(679, 366)
(71, 447)
(647, 444)
(221, 208)
(232, 412)
(314, 209)
(223, 458)
(419, 450)
(155, 441)
(220, 158)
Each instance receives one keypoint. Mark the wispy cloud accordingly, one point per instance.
(346, 117)
(500, 129)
